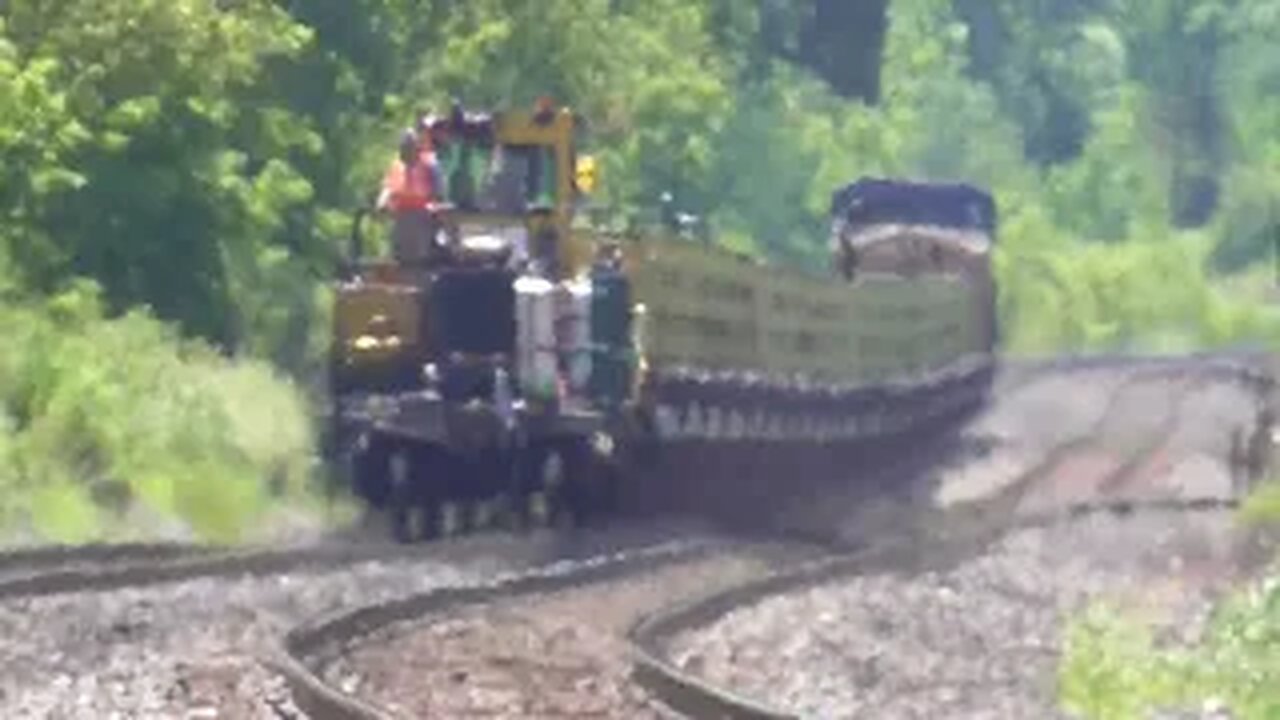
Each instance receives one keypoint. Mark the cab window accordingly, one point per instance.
(502, 179)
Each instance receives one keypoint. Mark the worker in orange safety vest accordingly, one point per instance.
(408, 192)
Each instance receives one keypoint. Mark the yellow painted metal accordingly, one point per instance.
(556, 132)
(586, 174)
(397, 297)
(375, 321)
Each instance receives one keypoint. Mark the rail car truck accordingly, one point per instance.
(559, 371)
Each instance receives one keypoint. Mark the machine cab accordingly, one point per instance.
(505, 195)
(508, 185)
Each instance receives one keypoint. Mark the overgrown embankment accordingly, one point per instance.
(117, 427)
(1115, 666)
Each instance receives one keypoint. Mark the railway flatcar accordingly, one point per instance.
(533, 365)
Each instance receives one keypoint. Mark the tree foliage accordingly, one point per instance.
(200, 157)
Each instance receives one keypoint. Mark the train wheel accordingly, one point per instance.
(428, 471)
(468, 514)
(599, 476)
(451, 518)
(516, 490)
(493, 472)
(367, 466)
(429, 512)
(414, 494)
(402, 501)
(555, 487)
(582, 489)
(509, 507)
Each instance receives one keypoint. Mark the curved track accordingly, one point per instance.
(307, 649)
(962, 539)
(307, 652)
(44, 557)
(188, 637)
(969, 529)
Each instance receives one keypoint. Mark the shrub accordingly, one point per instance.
(104, 417)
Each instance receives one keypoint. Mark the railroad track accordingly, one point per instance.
(303, 651)
(30, 562)
(302, 658)
(95, 568)
(111, 567)
(695, 697)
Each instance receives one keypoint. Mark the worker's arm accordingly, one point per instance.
(437, 180)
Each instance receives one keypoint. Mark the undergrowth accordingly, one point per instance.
(1113, 669)
(118, 427)
(1262, 507)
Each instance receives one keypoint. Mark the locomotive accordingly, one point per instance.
(546, 370)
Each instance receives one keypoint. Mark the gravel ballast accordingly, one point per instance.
(192, 649)
(982, 639)
(557, 655)
(978, 641)
(175, 651)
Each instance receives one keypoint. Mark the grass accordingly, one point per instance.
(114, 428)
(1113, 670)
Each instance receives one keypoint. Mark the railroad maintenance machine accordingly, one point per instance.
(536, 369)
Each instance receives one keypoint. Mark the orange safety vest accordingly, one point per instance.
(409, 188)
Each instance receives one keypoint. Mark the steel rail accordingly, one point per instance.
(306, 648)
(101, 569)
(653, 670)
(50, 556)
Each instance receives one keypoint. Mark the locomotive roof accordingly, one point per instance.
(873, 201)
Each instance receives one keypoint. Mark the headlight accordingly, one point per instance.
(483, 236)
(366, 343)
